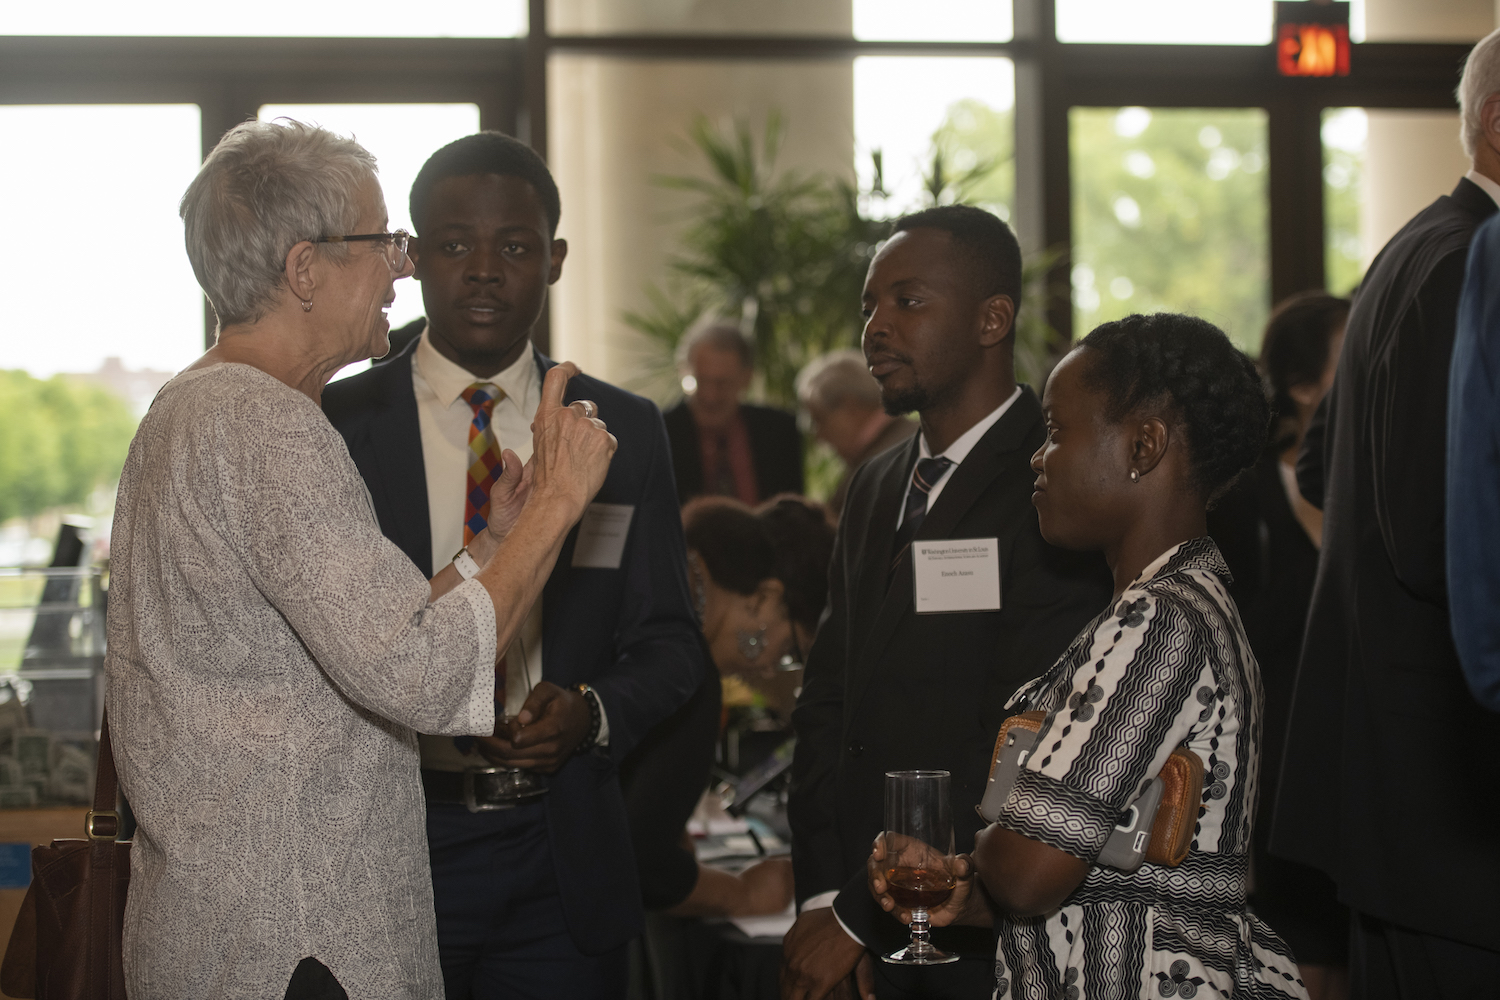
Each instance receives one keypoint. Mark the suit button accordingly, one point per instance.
(856, 748)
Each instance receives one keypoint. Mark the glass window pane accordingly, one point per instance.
(1217, 22)
(95, 268)
(702, 17)
(402, 137)
(1204, 22)
(943, 128)
(1171, 213)
(1380, 168)
(1345, 131)
(940, 21)
(309, 19)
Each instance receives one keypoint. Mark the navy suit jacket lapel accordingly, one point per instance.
(403, 475)
(554, 591)
(875, 564)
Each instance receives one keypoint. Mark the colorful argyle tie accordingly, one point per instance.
(923, 478)
(484, 456)
(484, 469)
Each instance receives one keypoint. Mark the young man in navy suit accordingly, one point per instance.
(536, 897)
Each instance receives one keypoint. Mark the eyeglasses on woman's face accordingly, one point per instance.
(393, 245)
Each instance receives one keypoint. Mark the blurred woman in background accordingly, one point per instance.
(760, 580)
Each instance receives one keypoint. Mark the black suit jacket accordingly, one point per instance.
(775, 448)
(887, 689)
(630, 633)
(1391, 768)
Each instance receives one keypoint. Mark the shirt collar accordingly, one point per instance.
(960, 448)
(1195, 553)
(1486, 185)
(448, 379)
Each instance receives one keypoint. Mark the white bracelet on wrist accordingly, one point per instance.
(465, 564)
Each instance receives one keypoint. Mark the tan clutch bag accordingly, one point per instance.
(1157, 826)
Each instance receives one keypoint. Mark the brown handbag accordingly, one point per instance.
(67, 939)
(1182, 781)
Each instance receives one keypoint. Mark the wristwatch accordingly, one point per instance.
(596, 719)
(465, 564)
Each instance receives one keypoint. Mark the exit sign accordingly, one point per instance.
(1312, 38)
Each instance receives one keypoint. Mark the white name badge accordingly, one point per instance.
(957, 574)
(601, 535)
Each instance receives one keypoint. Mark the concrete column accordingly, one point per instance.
(1412, 157)
(615, 124)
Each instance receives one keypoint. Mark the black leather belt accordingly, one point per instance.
(478, 789)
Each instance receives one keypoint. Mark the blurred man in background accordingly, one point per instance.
(720, 445)
(842, 399)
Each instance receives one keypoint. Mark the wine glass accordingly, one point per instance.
(918, 856)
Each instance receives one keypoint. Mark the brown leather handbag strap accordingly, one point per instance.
(97, 826)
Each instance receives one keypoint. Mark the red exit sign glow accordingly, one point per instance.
(1312, 38)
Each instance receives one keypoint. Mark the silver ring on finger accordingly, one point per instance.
(589, 409)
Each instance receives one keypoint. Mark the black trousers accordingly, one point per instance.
(311, 980)
(501, 928)
(1387, 962)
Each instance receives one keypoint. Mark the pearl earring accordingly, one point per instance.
(1135, 476)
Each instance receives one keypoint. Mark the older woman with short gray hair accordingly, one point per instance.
(271, 655)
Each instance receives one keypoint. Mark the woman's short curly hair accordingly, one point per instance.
(1187, 367)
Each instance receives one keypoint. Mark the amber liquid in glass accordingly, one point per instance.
(912, 888)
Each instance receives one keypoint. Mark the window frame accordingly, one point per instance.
(230, 78)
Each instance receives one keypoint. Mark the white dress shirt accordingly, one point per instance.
(955, 453)
(1486, 185)
(445, 417)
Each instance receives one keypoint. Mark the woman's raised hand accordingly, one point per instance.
(508, 495)
(571, 447)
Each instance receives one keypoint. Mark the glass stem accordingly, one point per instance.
(920, 945)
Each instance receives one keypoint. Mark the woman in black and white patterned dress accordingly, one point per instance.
(1149, 420)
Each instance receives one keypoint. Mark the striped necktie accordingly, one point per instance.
(484, 456)
(484, 469)
(923, 478)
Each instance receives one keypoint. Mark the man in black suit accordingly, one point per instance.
(720, 445)
(888, 688)
(536, 899)
(1391, 768)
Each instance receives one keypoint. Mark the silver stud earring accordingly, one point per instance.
(307, 307)
(1135, 476)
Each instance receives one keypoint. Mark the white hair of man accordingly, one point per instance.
(838, 378)
(1480, 82)
(720, 334)
(266, 187)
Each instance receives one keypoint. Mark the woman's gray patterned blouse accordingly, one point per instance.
(271, 656)
(1168, 665)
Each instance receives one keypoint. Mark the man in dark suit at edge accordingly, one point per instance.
(538, 899)
(1390, 768)
(887, 688)
(720, 445)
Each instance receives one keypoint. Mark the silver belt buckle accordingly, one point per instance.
(515, 787)
(471, 801)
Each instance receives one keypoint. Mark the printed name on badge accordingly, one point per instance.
(601, 536)
(956, 574)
